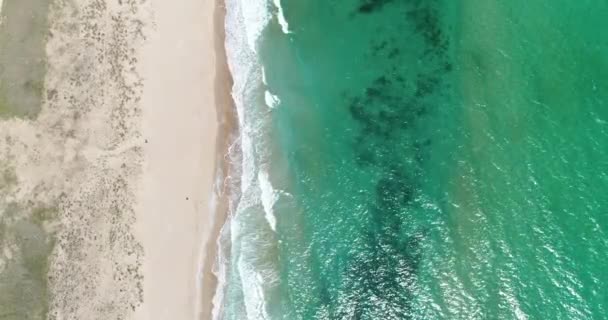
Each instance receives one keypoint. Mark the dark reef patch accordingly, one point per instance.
(394, 191)
(396, 86)
(370, 6)
(425, 20)
(391, 113)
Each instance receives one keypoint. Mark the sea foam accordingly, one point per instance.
(281, 17)
(272, 100)
(269, 198)
(245, 274)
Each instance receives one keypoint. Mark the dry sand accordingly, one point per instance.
(175, 219)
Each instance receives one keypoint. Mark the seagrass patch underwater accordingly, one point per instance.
(423, 159)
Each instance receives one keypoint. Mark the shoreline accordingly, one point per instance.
(227, 134)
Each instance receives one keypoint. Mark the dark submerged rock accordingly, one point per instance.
(370, 6)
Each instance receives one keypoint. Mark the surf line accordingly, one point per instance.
(281, 17)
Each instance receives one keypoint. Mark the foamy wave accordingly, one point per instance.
(272, 100)
(253, 282)
(269, 198)
(245, 272)
(256, 16)
(281, 17)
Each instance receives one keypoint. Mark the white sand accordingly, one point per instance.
(179, 116)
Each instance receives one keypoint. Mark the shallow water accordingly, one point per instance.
(429, 160)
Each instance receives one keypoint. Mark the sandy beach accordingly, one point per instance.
(175, 217)
(186, 84)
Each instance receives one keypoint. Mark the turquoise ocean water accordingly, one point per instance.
(419, 159)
